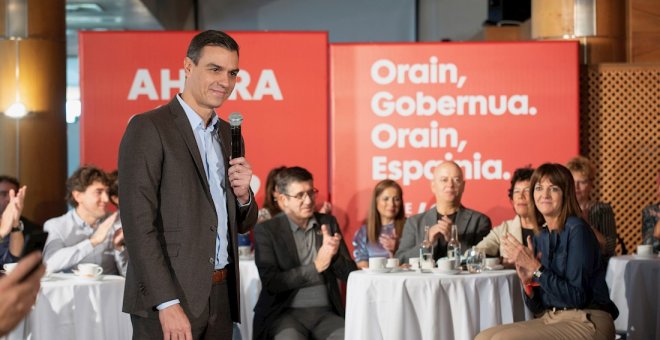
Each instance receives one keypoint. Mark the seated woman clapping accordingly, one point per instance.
(561, 268)
(523, 224)
(380, 235)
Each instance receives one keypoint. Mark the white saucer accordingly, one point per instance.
(649, 256)
(377, 270)
(400, 269)
(87, 278)
(495, 267)
(447, 272)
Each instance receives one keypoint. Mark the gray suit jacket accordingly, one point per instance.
(282, 275)
(168, 215)
(472, 227)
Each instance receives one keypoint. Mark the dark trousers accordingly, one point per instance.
(214, 323)
(319, 323)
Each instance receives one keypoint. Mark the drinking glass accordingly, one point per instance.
(475, 260)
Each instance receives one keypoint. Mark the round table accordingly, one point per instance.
(411, 305)
(250, 289)
(69, 307)
(634, 284)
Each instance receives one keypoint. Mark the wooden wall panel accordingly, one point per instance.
(620, 133)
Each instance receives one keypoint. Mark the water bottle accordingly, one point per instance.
(454, 247)
(244, 246)
(426, 251)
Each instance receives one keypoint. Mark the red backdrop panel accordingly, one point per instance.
(397, 110)
(282, 92)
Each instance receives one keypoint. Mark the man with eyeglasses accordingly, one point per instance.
(300, 255)
(448, 185)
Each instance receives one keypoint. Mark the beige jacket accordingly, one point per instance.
(491, 243)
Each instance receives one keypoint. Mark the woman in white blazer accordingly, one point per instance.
(522, 224)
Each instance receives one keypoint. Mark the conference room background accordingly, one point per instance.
(619, 109)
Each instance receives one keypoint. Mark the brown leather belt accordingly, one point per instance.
(220, 275)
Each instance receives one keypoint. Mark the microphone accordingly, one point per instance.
(235, 120)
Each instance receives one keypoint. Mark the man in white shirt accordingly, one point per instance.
(82, 235)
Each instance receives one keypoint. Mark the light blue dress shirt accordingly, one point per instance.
(208, 142)
(209, 149)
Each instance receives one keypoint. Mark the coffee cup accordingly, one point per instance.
(491, 262)
(90, 270)
(8, 267)
(377, 262)
(392, 263)
(428, 264)
(244, 252)
(645, 250)
(446, 264)
(414, 262)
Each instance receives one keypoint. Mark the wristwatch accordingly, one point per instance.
(537, 274)
(19, 228)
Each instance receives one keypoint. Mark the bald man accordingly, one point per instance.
(447, 186)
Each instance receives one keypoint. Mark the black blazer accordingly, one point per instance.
(282, 275)
(472, 226)
(168, 215)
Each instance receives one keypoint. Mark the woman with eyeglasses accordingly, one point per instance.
(523, 224)
(379, 237)
(561, 268)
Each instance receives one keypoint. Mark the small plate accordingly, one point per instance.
(447, 272)
(649, 256)
(495, 267)
(377, 270)
(399, 270)
(87, 278)
(424, 270)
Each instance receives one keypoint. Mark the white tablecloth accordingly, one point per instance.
(250, 289)
(634, 284)
(71, 308)
(429, 306)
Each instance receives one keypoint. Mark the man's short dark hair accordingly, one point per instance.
(209, 38)
(82, 178)
(12, 180)
(290, 175)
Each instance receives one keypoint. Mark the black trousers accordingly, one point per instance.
(214, 323)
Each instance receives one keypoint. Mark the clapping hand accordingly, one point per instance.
(442, 228)
(102, 230)
(12, 213)
(328, 249)
(389, 241)
(118, 239)
(523, 257)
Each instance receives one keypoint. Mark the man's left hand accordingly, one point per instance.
(240, 174)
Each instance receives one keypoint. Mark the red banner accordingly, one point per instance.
(398, 110)
(282, 92)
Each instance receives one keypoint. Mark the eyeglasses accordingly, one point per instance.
(304, 194)
(518, 191)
